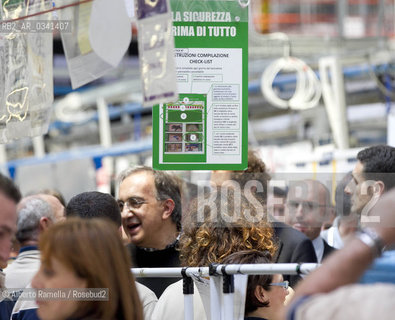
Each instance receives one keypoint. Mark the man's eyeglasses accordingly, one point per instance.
(283, 284)
(306, 205)
(131, 203)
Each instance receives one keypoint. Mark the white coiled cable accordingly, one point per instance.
(308, 88)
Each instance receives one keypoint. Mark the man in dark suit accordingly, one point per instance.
(308, 204)
(293, 247)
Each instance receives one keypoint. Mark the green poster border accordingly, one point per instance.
(240, 41)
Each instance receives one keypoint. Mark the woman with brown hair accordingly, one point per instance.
(214, 229)
(85, 254)
(266, 293)
(216, 226)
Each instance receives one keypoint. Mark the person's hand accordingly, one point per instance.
(384, 213)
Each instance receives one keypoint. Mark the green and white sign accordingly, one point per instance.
(207, 128)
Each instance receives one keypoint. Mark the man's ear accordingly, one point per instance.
(168, 207)
(44, 223)
(260, 294)
(378, 188)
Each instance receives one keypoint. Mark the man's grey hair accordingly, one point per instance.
(30, 212)
(167, 187)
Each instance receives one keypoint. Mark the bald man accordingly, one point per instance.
(308, 205)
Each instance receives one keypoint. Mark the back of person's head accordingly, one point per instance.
(264, 280)
(256, 171)
(379, 164)
(93, 249)
(9, 189)
(30, 211)
(221, 224)
(55, 193)
(167, 187)
(343, 199)
(94, 204)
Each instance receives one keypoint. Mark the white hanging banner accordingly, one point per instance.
(26, 80)
(203, 286)
(240, 282)
(83, 63)
(110, 30)
(156, 51)
(215, 301)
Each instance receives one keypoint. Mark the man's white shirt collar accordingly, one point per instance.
(318, 244)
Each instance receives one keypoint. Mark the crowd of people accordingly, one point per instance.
(75, 257)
